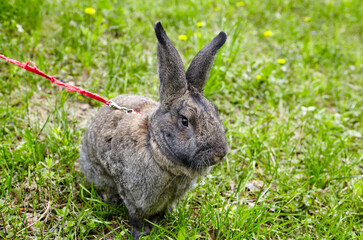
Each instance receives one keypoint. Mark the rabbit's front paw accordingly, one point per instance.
(139, 228)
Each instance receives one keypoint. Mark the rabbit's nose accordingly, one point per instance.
(218, 158)
(220, 153)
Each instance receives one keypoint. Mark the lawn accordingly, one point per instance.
(288, 84)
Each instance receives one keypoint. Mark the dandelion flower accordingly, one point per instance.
(200, 24)
(267, 33)
(307, 19)
(258, 77)
(90, 11)
(281, 61)
(198, 34)
(183, 37)
(240, 4)
(229, 59)
(216, 9)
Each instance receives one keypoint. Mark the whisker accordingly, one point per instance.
(171, 181)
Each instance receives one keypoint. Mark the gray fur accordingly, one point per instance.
(173, 83)
(150, 161)
(198, 70)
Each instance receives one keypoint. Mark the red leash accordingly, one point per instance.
(30, 66)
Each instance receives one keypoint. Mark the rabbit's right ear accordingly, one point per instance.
(173, 83)
(198, 70)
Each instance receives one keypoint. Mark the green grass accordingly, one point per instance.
(295, 165)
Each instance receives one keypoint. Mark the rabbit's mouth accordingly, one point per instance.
(187, 156)
(205, 158)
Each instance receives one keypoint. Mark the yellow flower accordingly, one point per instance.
(258, 77)
(183, 37)
(229, 59)
(281, 61)
(267, 33)
(90, 11)
(200, 24)
(307, 19)
(216, 9)
(240, 4)
(198, 34)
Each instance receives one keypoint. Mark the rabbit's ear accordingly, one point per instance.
(198, 70)
(173, 83)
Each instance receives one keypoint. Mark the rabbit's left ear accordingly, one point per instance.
(173, 83)
(198, 70)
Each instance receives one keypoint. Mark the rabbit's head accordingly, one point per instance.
(186, 126)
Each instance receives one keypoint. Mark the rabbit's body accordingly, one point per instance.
(150, 160)
(155, 186)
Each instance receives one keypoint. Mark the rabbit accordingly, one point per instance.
(148, 161)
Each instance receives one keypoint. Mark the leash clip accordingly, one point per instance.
(112, 104)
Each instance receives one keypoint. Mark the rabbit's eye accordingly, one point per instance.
(184, 121)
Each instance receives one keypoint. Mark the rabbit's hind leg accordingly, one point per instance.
(109, 196)
(96, 175)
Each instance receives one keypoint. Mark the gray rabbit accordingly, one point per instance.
(150, 160)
